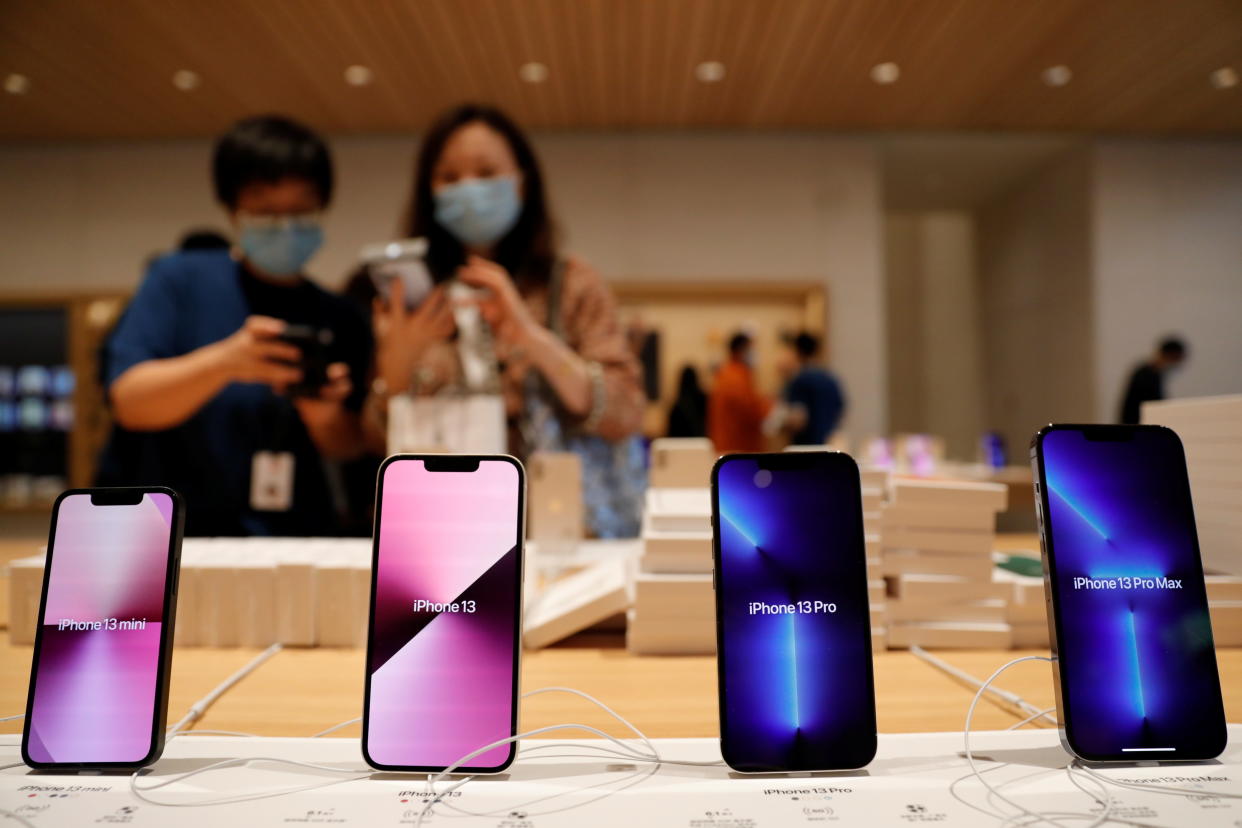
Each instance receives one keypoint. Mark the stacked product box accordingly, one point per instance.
(1210, 429)
(1224, 593)
(937, 561)
(246, 592)
(1027, 610)
(577, 601)
(874, 485)
(672, 605)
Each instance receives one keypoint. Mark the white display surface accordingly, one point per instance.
(911, 782)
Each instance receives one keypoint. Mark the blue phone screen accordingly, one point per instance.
(796, 689)
(1138, 670)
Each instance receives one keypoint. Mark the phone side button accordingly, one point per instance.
(713, 579)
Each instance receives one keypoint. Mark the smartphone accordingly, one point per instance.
(444, 636)
(399, 260)
(314, 344)
(1135, 669)
(793, 625)
(103, 648)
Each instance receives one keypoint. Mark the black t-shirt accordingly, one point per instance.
(189, 300)
(305, 303)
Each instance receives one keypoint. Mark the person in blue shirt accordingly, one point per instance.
(206, 396)
(813, 396)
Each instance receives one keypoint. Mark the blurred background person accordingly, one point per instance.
(812, 395)
(566, 372)
(1146, 382)
(736, 410)
(205, 395)
(203, 238)
(688, 415)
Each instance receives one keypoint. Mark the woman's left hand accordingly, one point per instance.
(501, 304)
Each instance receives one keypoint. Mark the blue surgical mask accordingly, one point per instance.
(280, 248)
(479, 211)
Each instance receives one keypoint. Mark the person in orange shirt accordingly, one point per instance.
(735, 409)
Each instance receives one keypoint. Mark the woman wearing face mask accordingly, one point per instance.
(210, 390)
(479, 201)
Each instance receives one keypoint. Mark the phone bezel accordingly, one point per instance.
(777, 460)
(448, 461)
(1053, 597)
(172, 577)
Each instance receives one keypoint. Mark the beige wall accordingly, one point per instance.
(1167, 259)
(1034, 245)
(638, 205)
(935, 341)
(1079, 265)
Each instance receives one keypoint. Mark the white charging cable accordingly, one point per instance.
(1024, 815)
(200, 707)
(18, 818)
(1143, 786)
(1042, 714)
(1103, 797)
(337, 727)
(1012, 699)
(627, 752)
(140, 792)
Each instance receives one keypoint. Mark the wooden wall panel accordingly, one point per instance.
(103, 69)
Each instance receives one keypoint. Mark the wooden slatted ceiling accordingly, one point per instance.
(102, 68)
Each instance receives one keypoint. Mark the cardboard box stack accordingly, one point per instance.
(677, 532)
(1027, 609)
(1224, 594)
(681, 463)
(937, 562)
(874, 487)
(576, 602)
(1210, 429)
(672, 605)
(246, 592)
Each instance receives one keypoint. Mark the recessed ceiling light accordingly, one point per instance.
(1058, 75)
(710, 71)
(1226, 77)
(533, 72)
(185, 80)
(358, 75)
(885, 73)
(16, 84)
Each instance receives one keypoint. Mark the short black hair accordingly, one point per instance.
(269, 148)
(805, 343)
(739, 342)
(1172, 347)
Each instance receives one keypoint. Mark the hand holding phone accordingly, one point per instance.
(312, 344)
(1135, 669)
(792, 617)
(256, 353)
(103, 648)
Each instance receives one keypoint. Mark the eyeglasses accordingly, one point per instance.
(279, 221)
